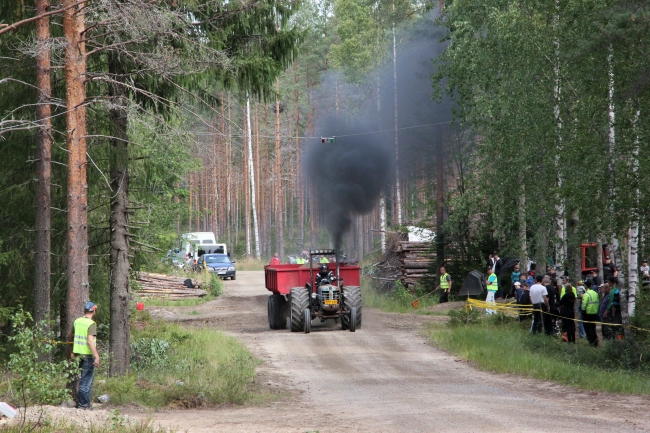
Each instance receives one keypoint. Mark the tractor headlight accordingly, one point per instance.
(313, 295)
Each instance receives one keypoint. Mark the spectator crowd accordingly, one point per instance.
(555, 305)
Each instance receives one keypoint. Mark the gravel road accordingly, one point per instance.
(383, 378)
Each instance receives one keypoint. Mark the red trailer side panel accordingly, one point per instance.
(282, 278)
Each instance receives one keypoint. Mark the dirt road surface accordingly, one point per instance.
(383, 378)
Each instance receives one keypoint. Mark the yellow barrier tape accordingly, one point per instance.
(514, 309)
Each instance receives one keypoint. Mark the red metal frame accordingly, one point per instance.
(583, 256)
(282, 278)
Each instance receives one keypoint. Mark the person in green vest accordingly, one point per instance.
(324, 260)
(84, 347)
(589, 307)
(444, 286)
(492, 287)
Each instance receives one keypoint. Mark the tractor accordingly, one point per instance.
(297, 299)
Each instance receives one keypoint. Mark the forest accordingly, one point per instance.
(515, 126)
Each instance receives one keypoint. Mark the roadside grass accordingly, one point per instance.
(397, 301)
(114, 425)
(179, 367)
(250, 264)
(505, 346)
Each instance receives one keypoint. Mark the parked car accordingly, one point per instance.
(221, 264)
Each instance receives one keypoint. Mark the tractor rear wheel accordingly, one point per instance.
(276, 312)
(351, 298)
(299, 302)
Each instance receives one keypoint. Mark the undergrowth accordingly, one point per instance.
(398, 300)
(110, 426)
(499, 343)
(178, 367)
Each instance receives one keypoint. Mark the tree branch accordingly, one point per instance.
(13, 26)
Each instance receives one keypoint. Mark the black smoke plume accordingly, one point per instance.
(348, 175)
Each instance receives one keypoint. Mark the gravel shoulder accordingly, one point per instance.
(383, 378)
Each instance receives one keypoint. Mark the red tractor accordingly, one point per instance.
(301, 295)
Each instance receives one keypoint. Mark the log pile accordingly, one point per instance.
(415, 261)
(167, 286)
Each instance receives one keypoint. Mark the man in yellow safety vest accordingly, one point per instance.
(444, 286)
(84, 333)
(589, 308)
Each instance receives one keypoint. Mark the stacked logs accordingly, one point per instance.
(167, 286)
(416, 259)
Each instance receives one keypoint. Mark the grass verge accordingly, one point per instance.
(397, 301)
(178, 367)
(250, 264)
(509, 348)
(110, 426)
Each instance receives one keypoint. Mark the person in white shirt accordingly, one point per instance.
(539, 299)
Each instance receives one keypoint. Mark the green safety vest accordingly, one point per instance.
(590, 302)
(573, 289)
(300, 261)
(81, 326)
(493, 283)
(444, 284)
(324, 260)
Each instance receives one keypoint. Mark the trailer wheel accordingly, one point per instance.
(299, 302)
(277, 320)
(307, 314)
(353, 319)
(351, 298)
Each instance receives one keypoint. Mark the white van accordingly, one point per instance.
(196, 244)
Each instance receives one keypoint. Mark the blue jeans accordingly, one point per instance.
(86, 381)
(581, 326)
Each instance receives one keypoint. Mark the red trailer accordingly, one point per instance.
(297, 296)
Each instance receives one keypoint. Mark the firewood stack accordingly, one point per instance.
(167, 286)
(415, 261)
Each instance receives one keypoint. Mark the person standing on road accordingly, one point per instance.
(275, 260)
(492, 287)
(589, 309)
(83, 338)
(444, 286)
(539, 298)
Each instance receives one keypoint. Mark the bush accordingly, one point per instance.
(34, 379)
(215, 286)
(464, 316)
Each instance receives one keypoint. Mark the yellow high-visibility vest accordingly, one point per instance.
(81, 326)
(444, 284)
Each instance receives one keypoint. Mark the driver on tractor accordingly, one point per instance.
(324, 273)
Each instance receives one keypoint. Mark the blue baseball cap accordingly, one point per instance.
(90, 306)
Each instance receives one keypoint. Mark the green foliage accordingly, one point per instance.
(464, 316)
(180, 367)
(114, 425)
(510, 348)
(33, 380)
(215, 286)
(149, 353)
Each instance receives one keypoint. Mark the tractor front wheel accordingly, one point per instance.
(351, 299)
(299, 303)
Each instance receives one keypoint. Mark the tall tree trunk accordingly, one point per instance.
(398, 193)
(523, 247)
(42, 239)
(560, 217)
(248, 166)
(120, 349)
(440, 240)
(382, 221)
(75, 76)
(251, 166)
(279, 206)
(633, 233)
